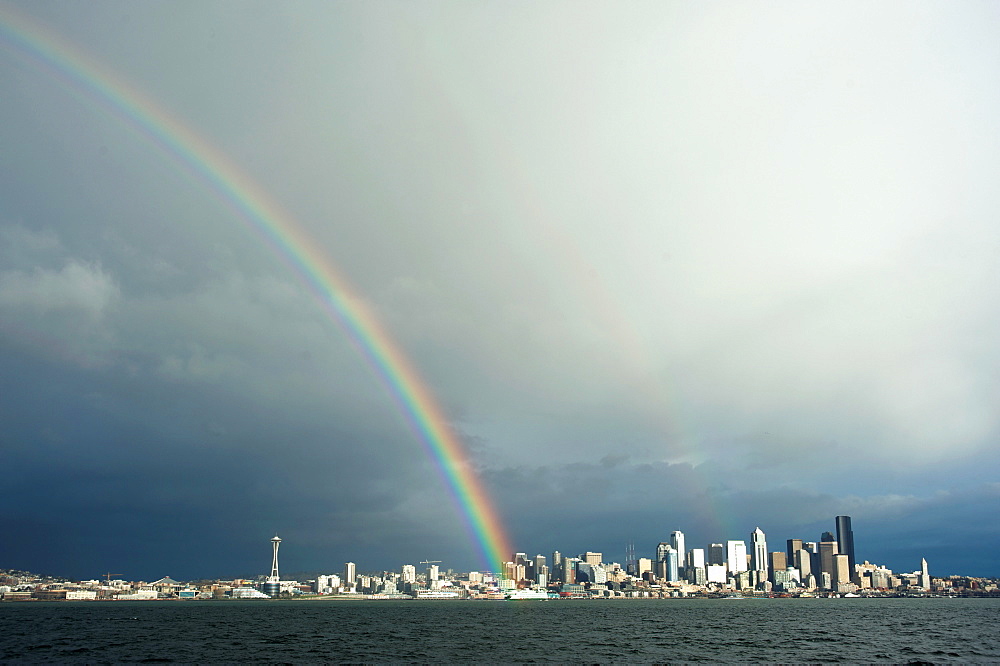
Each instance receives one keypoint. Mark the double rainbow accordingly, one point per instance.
(194, 154)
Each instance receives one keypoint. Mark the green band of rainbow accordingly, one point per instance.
(209, 165)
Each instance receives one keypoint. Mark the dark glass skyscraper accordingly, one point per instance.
(845, 540)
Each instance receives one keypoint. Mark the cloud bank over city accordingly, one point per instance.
(664, 266)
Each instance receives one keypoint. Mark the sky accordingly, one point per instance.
(662, 265)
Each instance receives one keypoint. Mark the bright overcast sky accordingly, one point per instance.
(670, 265)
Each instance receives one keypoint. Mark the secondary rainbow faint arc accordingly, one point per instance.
(296, 248)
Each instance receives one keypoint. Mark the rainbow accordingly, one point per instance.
(290, 241)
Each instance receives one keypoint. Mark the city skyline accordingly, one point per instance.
(454, 279)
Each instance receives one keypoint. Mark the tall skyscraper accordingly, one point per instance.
(409, 573)
(673, 566)
(350, 574)
(539, 567)
(677, 543)
(845, 540)
(695, 559)
(925, 577)
(758, 552)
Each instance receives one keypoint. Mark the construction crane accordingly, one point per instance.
(109, 575)
(430, 562)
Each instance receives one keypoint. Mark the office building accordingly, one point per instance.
(778, 562)
(827, 552)
(673, 566)
(845, 539)
(841, 571)
(736, 556)
(758, 553)
(677, 543)
(791, 547)
(802, 561)
(350, 574)
(695, 563)
(716, 554)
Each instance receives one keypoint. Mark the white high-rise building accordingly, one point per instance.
(716, 573)
(695, 563)
(758, 552)
(409, 573)
(677, 542)
(736, 556)
(327, 584)
(350, 574)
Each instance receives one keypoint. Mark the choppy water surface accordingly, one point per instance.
(747, 630)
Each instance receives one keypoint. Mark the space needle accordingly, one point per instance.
(272, 587)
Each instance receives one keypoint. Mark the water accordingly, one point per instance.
(718, 630)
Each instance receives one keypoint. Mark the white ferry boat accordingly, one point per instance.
(527, 594)
(435, 594)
